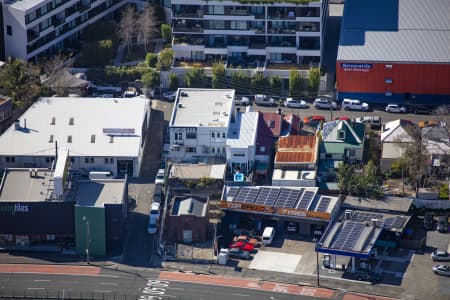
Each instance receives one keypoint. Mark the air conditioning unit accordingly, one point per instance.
(348, 214)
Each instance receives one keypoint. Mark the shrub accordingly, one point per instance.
(165, 59)
(151, 59)
(173, 81)
(116, 75)
(196, 78)
(166, 32)
(97, 31)
(151, 79)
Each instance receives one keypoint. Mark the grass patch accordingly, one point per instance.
(443, 192)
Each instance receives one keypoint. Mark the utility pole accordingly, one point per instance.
(88, 239)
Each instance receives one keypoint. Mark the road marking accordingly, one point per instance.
(108, 283)
(176, 288)
(241, 295)
(41, 280)
(101, 291)
(36, 288)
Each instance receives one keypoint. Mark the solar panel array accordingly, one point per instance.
(306, 200)
(323, 205)
(288, 198)
(267, 196)
(246, 195)
(349, 235)
(233, 191)
(327, 128)
(394, 222)
(365, 216)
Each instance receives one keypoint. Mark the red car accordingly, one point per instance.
(243, 246)
(313, 120)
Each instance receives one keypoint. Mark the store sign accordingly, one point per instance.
(247, 206)
(356, 67)
(14, 208)
(291, 212)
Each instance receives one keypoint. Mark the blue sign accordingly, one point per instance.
(239, 177)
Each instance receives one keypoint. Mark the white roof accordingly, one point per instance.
(122, 118)
(202, 107)
(279, 174)
(394, 132)
(24, 4)
(197, 171)
(242, 133)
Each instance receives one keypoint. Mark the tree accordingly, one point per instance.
(127, 26)
(20, 81)
(165, 59)
(295, 83)
(260, 83)
(344, 174)
(173, 81)
(166, 32)
(276, 84)
(314, 79)
(240, 81)
(151, 59)
(218, 75)
(196, 78)
(146, 23)
(151, 79)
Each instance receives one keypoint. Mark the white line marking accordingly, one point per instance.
(175, 288)
(40, 280)
(108, 283)
(35, 288)
(241, 295)
(101, 291)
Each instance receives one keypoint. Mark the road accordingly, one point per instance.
(101, 283)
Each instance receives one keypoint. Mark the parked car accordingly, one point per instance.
(246, 239)
(154, 210)
(374, 121)
(438, 255)
(395, 108)
(239, 253)
(441, 270)
(428, 221)
(262, 100)
(170, 96)
(152, 225)
(242, 101)
(420, 109)
(363, 275)
(354, 104)
(443, 224)
(295, 103)
(324, 103)
(159, 179)
(313, 120)
(242, 245)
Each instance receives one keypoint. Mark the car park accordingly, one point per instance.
(441, 270)
(395, 108)
(242, 101)
(291, 103)
(159, 179)
(324, 103)
(442, 224)
(440, 256)
(239, 253)
(263, 100)
(354, 104)
(170, 96)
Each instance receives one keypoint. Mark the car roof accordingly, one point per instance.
(155, 205)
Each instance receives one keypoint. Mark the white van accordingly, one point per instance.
(267, 236)
(100, 175)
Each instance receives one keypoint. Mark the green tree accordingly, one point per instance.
(344, 174)
(173, 81)
(151, 79)
(218, 76)
(260, 83)
(20, 81)
(166, 32)
(240, 81)
(151, 59)
(295, 83)
(95, 54)
(276, 84)
(165, 59)
(196, 78)
(314, 79)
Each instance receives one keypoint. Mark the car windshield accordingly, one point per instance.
(160, 176)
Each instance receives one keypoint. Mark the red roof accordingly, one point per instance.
(272, 121)
(296, 148)
(293, 123)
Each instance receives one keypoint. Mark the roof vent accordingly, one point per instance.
(50, 140)
(92, 138)
(71, 121)
(111, 139)
(53, 121)
(69, 139)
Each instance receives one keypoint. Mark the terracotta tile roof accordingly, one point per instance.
(296, 148)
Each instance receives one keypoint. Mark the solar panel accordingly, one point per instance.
(306, 200)
(267, 196)
(388, 222)
(324, 203)
(233, 191)
(363, 216)
(288, 197)
(349, 235)
(246, 195)
(398, 222)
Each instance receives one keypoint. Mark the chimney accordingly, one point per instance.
(17, 124)
(25, 123)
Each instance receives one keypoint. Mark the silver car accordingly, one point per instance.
(440, 256)
(441, 270)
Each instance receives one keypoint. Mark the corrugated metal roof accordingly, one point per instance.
(242, 133)
(402, 30)
(296, 148)
(294, 157)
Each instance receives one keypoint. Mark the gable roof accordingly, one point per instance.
(399, 131)
(354, 133)
(296, 148)
(273, 122)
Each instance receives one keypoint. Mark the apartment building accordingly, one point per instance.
(34, 27)
(199, 124)
(250, 32)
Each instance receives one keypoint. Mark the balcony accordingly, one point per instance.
(238, 12)
(187, 29)
(56, 21)
(188, 14)
(281, 30)
(82, 7)
(189, 40)
(32, 35)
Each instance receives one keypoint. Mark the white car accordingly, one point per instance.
(395, 108)
(295, 103)
(354, 104)
(441, 270)
(154, 210)
(262, 100)
(324, 103)
(242, 101)
(170, 96)
(159, 179)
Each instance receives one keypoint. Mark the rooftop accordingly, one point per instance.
(23, 4)
(202, 107)
(99, 192)
(399, 30)
(242, 133)
(86, 126)
(398, 131)
(197, 171)
(189, 206)
(388, 204)
(18, 185)
(296, 149)
(272, 122)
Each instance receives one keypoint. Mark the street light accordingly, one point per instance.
(88, 239)
(317, 262)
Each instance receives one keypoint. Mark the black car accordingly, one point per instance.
(420, 109)
(363, 275)
(428, 221)
(443, 224)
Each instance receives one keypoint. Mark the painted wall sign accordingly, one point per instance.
(356, 67)
(14, 208)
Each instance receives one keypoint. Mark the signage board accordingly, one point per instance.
(239, 177)
(119, 131)
(351, 67)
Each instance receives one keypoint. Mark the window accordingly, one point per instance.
(92, 138)
(69, 139)
(328, 155)
(86, 160)
(191, 150)
(272, 124)
(178, 136)
(91, 160)
(388, 80)
(191, 135)
(351, 152)
(212, 134)
(111, 160)
(213, 150)
(8, 30)
(388, 66)
(223, 135)
(341, 134)
(71, 121)
(106, 160)
(239, 155)
(72, 159)
(44, 24)
(388, 94)
(238, 25)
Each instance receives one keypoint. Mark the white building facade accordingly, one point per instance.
(199, 124)
(100, 135)
(33, 27)
(249, 31)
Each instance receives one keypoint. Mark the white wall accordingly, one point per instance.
(15, 44)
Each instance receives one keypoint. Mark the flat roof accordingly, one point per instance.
(197, 171)
(99, 192)
(189, 206)
(242, 132)
(395, 31)
(296, 149)
(388, 204)
(24, 4)
(203, 107)
(49, 119)
(18, 185)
